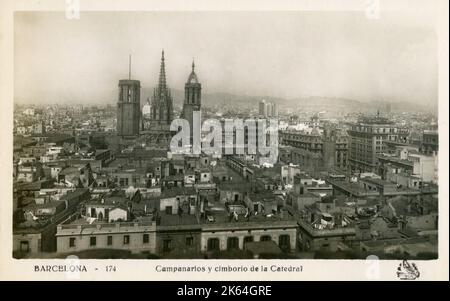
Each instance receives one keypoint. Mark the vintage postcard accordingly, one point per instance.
(224, 140)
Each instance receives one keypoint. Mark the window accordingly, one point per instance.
(93, 241)
(167, 245)
(265, 238)
(109, 240)
(233, 243)
(24, 246)
(126, 239)
(145, 238)
(168, 210)
(284, 242)
(189, 241)
(248, 239)
(213, 244)
(72, 242)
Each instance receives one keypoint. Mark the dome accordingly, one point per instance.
(192, 79)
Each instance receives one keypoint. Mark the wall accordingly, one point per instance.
(240, 234)
(177, 241)
(172, 202)
(117, 213)
(323, 243)
(82, 242)
(43, 241)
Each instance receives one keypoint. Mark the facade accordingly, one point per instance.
(322, 227)
(366, 142)
(314, 151)
(430, 142)
(35, 241)
(288, 172)
(180, 239)
(229, 236)
(35, 232)
(407, 163)
(133, 236)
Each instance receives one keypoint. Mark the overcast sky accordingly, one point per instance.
(282, 54)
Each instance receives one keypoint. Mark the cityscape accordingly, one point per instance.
(352, 178)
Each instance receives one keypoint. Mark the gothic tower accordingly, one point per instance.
(162, 103)
(128, 107)
(161, 111)
(192, 98)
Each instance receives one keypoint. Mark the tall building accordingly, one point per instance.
(366, 141)
(430, 142)
(267, 109)
(388, 108)
(128, 107)
(161, 112)
(192, 98)
(316, 151)
(262, 108)
(274, 110)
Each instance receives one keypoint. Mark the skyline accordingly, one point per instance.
(360, 59)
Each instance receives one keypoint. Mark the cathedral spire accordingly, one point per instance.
(162, 73)
(192, 79)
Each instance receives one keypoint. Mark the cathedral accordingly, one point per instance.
(157, 114)
(157, 126)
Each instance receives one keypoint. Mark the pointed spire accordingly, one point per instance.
(162, 73)
(192, 79)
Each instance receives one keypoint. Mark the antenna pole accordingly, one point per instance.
(129, 67)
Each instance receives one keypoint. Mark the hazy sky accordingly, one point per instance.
(282, 54)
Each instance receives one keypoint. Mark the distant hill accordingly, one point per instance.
(231, 102)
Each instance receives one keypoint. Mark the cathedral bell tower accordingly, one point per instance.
(128, 106)
(192, 98)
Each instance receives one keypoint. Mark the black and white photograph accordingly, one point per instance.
(256, 135)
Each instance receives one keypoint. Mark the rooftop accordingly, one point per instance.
(176, 191)
(396, 160)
